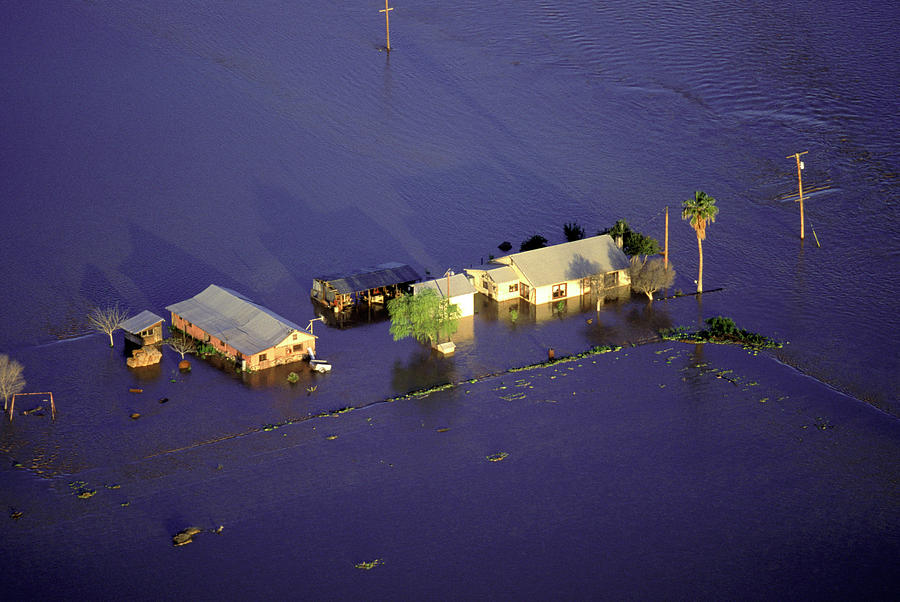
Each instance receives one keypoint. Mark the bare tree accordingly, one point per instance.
(182, 343)
(108, 319)
(11, 381)
(650, 275)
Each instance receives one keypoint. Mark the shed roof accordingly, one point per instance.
(385, 274)
(235, 319)
(142, 321)
(459, 285)
(570, 261)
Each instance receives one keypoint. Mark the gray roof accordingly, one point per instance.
(502, 273)
(386, 274)
(570, 261)
(235, 319)
(142, 321)
(459, 285)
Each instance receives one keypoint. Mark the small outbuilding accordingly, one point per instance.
(374, 285)
(146, 328)
(458, 287)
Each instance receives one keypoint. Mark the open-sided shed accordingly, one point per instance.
(143, 329)
(371, 285)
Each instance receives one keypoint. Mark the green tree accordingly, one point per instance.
(535, 242)
(700, 211)
(11, 381)
(633, 242)
(573, 231)
(424, 316)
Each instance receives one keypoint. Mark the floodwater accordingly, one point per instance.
(150, 149)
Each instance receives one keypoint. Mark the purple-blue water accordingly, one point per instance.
(150, 149)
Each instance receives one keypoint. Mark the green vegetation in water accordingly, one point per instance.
(83, 495)
(186, 536)
(368, 566)
(720, 330)
(293, 378)
(497, 457)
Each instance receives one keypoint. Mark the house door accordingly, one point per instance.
(524, 291)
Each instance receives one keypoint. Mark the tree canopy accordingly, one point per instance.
(650, 275)
(535, 242)
(107, 319)
(11, 381)
(633, 242)
(573, 231)
(424, 316)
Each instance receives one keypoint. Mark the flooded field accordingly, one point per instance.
(153, 149)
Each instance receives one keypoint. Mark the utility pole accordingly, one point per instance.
(800, 183)
(387, 23)
(666, 248)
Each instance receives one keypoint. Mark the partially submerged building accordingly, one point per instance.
(374, 285)
(239, 328)
(146, 328)
(460, 290)
(497, 281)
(558, 272)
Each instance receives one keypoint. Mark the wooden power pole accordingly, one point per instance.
(666, 247)
(800, 184)
(387, 23)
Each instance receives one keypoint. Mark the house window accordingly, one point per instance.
(514, 288)
(295, 336)
(298, 348)
(262, 357)
(525, 291)
(559, 291)
(611, 279)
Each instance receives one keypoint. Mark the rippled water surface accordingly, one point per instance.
(150, 149)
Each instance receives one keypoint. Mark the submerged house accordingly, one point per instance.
(562, 271)
(373, 285)
(497, 281)
(143, 329)
(240, 329)
(461, 291)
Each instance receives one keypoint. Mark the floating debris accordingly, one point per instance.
(163, 399)
(125, 504)
(113, 486)
(513, 396)
(83, 495)
(496, 457)
(443, 429)
(135, 416)
(134, 390)
(15, 514)
(331, 437)
(186, 536)
(368, 566)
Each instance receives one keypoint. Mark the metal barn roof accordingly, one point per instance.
(386, 274)
(570, 261)
(142, 321)
(459, 285)
(235, 319)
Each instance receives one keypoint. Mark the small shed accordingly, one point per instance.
(374, 285)
(461, 292)
(143, 329)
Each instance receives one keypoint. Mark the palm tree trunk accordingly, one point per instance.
(700, 276)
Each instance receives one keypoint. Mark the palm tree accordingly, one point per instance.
(701, 211)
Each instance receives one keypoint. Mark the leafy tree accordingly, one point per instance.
(633, 242)
(424, 316)
(573, 231)
(700, 211)
(650, 275)
(535, 242)
(107, 319)
(11, 381)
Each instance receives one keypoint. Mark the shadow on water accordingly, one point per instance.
(424, 369)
